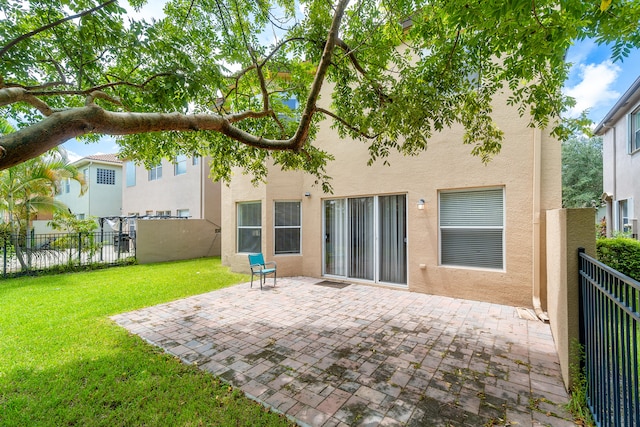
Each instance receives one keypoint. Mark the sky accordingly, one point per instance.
(595, 81)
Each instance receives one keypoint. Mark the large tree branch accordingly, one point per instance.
(62, 126)
(30, 34)
(11, 95)
(302, 133)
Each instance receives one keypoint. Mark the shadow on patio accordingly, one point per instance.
(366, 355)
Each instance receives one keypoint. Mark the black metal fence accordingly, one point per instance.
(610, 334)
(28, 254)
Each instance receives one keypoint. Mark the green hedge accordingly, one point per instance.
(620, 253)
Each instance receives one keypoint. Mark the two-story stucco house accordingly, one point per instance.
(440, 223)
(178, 188)
(103, 197)
(620, 129)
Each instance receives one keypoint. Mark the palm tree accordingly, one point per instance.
(30, 187)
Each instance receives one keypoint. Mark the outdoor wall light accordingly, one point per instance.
(421, 204)
(307, 194)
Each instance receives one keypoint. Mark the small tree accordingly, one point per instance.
(581, 172)
(29, 188)
(80, 233)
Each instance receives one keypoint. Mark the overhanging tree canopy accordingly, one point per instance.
(212, 76)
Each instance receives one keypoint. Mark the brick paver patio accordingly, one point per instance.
(366, 356)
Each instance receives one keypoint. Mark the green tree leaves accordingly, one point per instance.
(389, 74)
(581, 172)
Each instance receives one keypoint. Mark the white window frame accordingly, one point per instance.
(155, 173)
(256, 227)
(634, 131)
(105, 176)
(130, 171)
(163, 213)
(287, 227)
(180, 165)
(183, 213)
(471, 228)
(342, 239)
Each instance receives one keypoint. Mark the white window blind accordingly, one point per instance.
(287, 227)
(249, 227)
(472, 228)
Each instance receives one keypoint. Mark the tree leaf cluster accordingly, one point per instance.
(213, 77)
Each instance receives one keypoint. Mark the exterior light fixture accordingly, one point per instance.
(307, 194)
(421, 204)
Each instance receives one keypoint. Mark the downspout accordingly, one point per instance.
(609, 215)
(202, 178)
(537, 186)
(89, 189)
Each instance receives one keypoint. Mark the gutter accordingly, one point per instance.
(537, 186)
(623, 101)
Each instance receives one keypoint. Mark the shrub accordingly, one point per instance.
(620, 253)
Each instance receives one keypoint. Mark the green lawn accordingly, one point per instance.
(64, 362)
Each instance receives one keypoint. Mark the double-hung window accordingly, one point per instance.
(287, 228)
(155, 172)
(472, 228)
(249, 227)
(634, 131)
(180, 165)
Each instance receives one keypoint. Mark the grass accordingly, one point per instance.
(64, 362)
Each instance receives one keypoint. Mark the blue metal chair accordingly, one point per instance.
(259, 268)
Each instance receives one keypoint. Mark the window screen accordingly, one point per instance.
(287, 227)
(472, 228)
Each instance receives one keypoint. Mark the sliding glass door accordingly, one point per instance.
(392, 238)
(335, 237)
(361, 238)
(366, 238)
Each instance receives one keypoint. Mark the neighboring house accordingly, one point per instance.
(441, 223)
(178, 188)
(103, 175)
(103, 197)
(620, 130)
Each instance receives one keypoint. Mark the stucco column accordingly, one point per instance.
(567, 230)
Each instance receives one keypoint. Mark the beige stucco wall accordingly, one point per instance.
(175, 239)
(192, 190)
(447, 164)
(567, 230)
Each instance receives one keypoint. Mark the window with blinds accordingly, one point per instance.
(249, 229)
(472, 228)
(287, 228)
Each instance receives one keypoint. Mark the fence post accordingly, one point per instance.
(581, 331)
(4, 253)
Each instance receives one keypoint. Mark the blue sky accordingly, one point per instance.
(595, 81)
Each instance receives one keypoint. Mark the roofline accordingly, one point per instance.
(87, 160)
(635, 86)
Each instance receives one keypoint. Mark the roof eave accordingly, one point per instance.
(633, 93)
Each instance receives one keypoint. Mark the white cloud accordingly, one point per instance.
(73, 157)
(594, 87)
